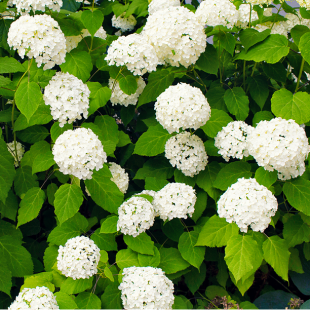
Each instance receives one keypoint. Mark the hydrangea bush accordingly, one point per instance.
(154, 154)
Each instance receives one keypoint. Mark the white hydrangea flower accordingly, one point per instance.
(247, 203)
(135, 216)
(134, 52)
(20, 151)
(157, 5)
(40, 37)
(280, 145)
(119, 177)
(304, 3)
(68, 98)
(244, 14)
(217, 12)
(35, 298)
(146, 288)
(186, 152)
(232, 140)
(293, 20)
(177, 36)
(25, 6)
(78, 258)
(276, 28)
(182, 106)
(124, 23)
(119, 97)
(78, 152)
(175, 200)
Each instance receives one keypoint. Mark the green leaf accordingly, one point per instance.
(158, 81)
(200, 205)
(227, 41)
(275, 71)
(5, 279)
(109, 225)
(9, 208)
(65, 301)
(8, 229)
(108, 127)
(276, 254)
(295, 262)
(33, 134)
(218, 120)
(250, 37)
(259, 91)
(142, 244)
(50, 257)
(70, 286)
(266, 178)
(304, 46)
(28, 97)
(288, 106)
(149, 260)
(195, 278)
(243, 256)
(56, 130)
(99, 96)
(104, 191)
(68, 26)
(171, 260)
(208, 61)
(260, 116)
(237, 103)
(68, 199)
(152, 142)
(127, 258)
(86, 300)
(108, 273)
(297, 32)
(155, 184)
(194, 255)
(243, 284)
(10, 65)
(92, 20)
(111, 298)
(79, 64)
(41, 279)
(43, 161)
(217, 232)
(213, 290)
(137, 7)
(230, 173)
(4, 29)
(30, 205)
(104, 241)
(297, 193)
(306, 251)
(173, 229)
(128, 84)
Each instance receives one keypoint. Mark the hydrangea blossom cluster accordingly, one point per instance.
(136, 215)
(20, 151)
(177, 36)
(79, 258)
(40, 37)
(157, 5)
(119, 177)
(280, 145)
(187, 153)
(25, 6)
(232, 140)
(244, 14)
(134, 52)
(146, 288)
(35, 298)
(124, 23)
(78, 152)
(247, 203)
(304, 3)
(119, 97)
(182, 106)
(175, 200)
(68, 98)
(276, 28)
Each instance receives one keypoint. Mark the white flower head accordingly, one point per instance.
(175, 200)
(158, 5)
(25, 6)
(35, 298)
(244, 14)
(247, 203)
(182, 106)
(135, 216)
(304, 3)
(78, 152)
(187, 153)
(124, 23)
(119, 177)
(68, 98)
(20, 151)
(134, 52)
(146, 288)
(280, 145)
(78, 258)
(119, 97)
(232, 140)
(176, 35)
(39, 37)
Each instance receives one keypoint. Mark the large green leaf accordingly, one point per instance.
(227, 41)
(87, 300)
(30, 205)
(266, 178)
(141, 244)
(149, 260)
(237, 103)
(56, 130)
(304, 46)
(171, 260)
(4, 29)
(9, 208)
(99, 96)
(109, 225)
(33, 134)
(68, 199)
(128, 84)
(195, 278)
(70, 286)
(127, 258)
(5, 279)
(65, 301)
(208, 61)
(108, 127)
(104, 241)
(24, 180)
(10, 65)
(111, 298)
(92, 20)
(297, 32)
(259, 91)
(250, 37)
(276, 254)
(44, 160)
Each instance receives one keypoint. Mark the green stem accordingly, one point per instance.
(6, 125)
(244, 64)
(300, 73)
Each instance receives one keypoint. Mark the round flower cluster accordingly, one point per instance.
(232, 140)
(146, 288)
(177, 36)
(79, 258)
(187, 153)
(20, 151)
(135, 216)
(175, 200)
(280, 145)
(68, 98)
(40, 37)
(119, 97)
(134, 52)
(35, 298)
(119, 177)
(25, 6)
(247, 203)
(157, 5)
(293, 20)
(304, 3)
(78, 152)
(182, 106)
(124, 23)
(244, 13)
